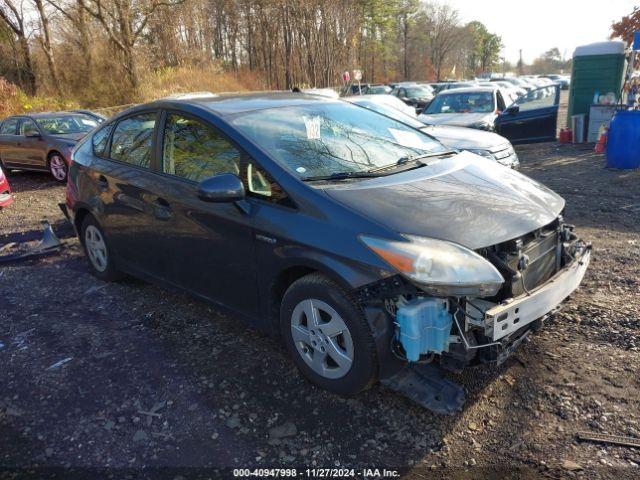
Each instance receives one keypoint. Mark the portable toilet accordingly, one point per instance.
(598, 67)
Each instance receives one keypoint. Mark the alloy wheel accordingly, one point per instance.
(58, 167)
(96, 248)
(322, 338)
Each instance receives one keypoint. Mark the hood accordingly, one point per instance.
(70, 137)
(464, 199)
(463, 138)
(458, 119)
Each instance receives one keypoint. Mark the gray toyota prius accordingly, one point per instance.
(42, 141)
(376, 253)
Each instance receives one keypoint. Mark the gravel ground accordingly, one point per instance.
(144, 382)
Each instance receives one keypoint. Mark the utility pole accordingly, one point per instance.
(520, 64)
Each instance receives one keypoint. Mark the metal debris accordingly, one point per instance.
(611, 439)
(50, 243)
(60, 363)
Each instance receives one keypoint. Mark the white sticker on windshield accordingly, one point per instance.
(410, 139)
(312, 124)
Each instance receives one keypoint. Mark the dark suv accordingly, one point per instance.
(362, 241)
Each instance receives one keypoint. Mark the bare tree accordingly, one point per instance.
(443, 33)
(13, 15)
(75, 13)
(45, 42)
(124, 22)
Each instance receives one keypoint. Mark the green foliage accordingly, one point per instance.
(484, 53)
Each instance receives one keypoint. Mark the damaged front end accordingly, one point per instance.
(500, 295)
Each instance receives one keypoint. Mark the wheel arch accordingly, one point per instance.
(347, 277)
(53, 151)
(80, 213)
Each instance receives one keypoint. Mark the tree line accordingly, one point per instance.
(90, 49)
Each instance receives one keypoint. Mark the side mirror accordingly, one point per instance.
(512, 110)
(226, 187)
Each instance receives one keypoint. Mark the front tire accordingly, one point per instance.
(327, 336)
(58, 167)
(97, 251)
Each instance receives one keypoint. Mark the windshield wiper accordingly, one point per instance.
(374, 172)
(341, 176)
(405, 160)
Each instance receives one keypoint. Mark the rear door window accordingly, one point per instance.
(28, 128)
(9, 126)
(132, 140)
(195, 150)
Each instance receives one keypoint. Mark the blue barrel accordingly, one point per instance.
(623, 142)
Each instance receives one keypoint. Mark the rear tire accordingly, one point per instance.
(328, 336)
(58, 167)
(97, 251)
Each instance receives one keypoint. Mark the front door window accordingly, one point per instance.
(539, 98)
(195, 150)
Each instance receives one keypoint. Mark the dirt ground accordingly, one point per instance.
(128, 380)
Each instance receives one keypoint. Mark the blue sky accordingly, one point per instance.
(536, 26)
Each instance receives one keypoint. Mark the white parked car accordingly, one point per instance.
(475, 107)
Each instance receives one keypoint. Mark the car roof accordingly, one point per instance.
(46, 114)
(233, 103)
(379, 98)
(453, 91)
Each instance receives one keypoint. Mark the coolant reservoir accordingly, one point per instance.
(425, 325)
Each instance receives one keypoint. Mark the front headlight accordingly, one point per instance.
(440, 268)
(482, 153)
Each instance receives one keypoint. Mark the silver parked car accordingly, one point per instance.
(42, 141)
(486, 144)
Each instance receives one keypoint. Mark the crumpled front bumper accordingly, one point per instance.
(506, 318)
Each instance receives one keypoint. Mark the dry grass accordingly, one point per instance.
(13, 100)
(153, 85)
(167, 81)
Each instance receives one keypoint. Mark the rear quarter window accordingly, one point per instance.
(100, 141)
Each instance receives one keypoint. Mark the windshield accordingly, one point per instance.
(324, 139)
(63, 124)
(391, 112)
(468, 102)
(379, 89)
(417, 92)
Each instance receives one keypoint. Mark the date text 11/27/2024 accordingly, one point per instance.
(316, 473)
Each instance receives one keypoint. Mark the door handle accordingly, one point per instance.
(103, 183)
(162, 209)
